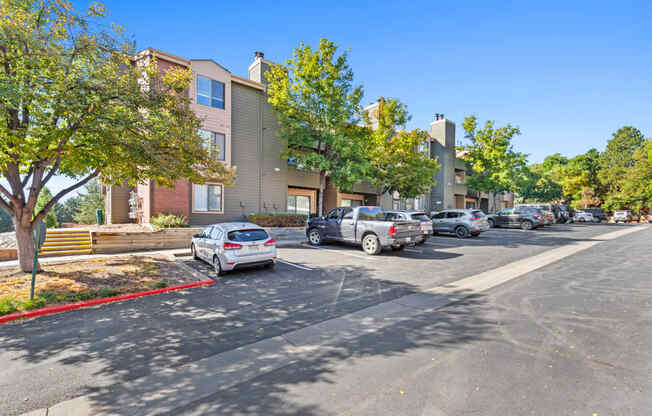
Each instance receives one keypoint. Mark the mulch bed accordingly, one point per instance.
(88, 279)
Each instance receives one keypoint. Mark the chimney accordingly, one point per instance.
(258, 54)
(439, 116)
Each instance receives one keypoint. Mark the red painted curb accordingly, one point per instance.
(77, 305)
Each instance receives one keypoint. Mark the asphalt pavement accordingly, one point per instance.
(448, 360)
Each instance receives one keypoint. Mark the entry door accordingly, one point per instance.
(347, 225)
(201, 243)
(332, 223)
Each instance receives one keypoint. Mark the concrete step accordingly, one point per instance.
(65, 252)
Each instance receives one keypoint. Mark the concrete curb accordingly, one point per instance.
(77, 305)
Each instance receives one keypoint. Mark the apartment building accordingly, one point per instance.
(238, 119)
(450, 190)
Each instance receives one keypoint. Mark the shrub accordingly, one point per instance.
(278, 220)
(169, 221)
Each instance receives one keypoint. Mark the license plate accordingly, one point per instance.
(253, 248)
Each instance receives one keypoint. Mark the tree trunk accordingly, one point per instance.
(25, 243)
(322, 188)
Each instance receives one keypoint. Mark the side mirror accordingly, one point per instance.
(197, 236)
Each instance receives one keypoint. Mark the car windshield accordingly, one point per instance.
(420, 217)
(244, 236)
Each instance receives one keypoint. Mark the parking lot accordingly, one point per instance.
(91, 348)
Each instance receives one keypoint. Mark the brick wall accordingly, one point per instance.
(172, 200)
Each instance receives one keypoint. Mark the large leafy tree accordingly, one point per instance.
(318, 108)
(89, 203)
(76, 101)
(66, 210)
(532, 186)
(618, 157)
(43, 199)
(495, 165)
(398, 164)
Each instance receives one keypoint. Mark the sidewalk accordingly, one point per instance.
(177, 252)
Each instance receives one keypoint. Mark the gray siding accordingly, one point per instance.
(274, 182)
(243, 197)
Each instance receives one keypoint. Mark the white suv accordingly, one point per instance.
(583, 216)
(622, 216)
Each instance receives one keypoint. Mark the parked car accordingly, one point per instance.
(426, 222)
(234, 245)
(552, 211)
(364, 226)
(461, 222)
(598, 214)
(623, 216)
(564, 214)
(583, 216)
(525, 218)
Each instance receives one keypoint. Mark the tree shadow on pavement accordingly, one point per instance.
(155, 344)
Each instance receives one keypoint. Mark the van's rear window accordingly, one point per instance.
(420, 217)
(247, 235)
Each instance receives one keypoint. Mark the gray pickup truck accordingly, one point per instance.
(364, 226)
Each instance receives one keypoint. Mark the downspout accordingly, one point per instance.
(260, 154)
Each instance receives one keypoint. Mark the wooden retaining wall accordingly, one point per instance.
(124, 242)
(8, 254)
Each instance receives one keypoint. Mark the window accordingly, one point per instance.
(207, 198)
(420, 217)
(351, 202)
(243, 236)
(505, 212)
(210, 92)
(215, 142)
(216, 234)
(391, 216)
(207, 232)
(459, 177)
(371, 214)
(396, 204)
(348, 214)
(477, 213)
(299, 204)
(470, 204)
(423, 146)
(333, 214)
(439, 216)
(454, 214)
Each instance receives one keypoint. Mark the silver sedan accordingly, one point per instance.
(234, 245)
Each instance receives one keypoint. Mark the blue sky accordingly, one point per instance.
(568, 74)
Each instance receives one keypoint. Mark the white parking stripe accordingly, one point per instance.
(341, 252)
(292, 264)
(412, 250)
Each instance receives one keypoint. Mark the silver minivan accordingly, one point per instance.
(234, 245)
(461, 222)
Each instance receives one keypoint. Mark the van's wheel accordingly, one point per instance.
(218, 267)
(527, 225)
(371, 245)
(314, 237)
(194, 252)
(492, 223)
(461, 232)
(398, 248)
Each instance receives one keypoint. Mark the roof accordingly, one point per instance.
(230, 226)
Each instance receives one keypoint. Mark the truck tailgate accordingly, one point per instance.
(407, 229)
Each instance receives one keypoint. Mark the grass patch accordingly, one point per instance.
(84, 280)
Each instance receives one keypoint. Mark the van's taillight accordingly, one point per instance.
(231, 246)
(392, 230)
(270, 242)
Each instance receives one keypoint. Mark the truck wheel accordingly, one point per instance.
(527, 225)
(314, 237)
(371, 245)
(461, 232)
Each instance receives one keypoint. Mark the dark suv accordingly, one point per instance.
(525, 218)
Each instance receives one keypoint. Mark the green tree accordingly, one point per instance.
(531, 186)
(6, 224)
(89, 203)
(77, 101)
(635, 190)
(50, 218)
(397, 164)
(318, 108)
(617, 158)
(66, 210)
(496, 166)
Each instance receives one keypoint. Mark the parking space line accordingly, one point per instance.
(411, 250)
(295, 265)
(341, 252)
